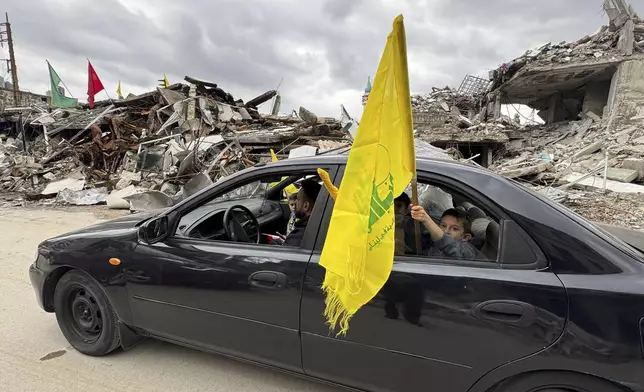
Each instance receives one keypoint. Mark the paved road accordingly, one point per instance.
(34, 355)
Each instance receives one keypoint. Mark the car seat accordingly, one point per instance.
(490, 248)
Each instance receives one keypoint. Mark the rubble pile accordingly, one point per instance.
(447, 99)
(170, 142)
(602, 45)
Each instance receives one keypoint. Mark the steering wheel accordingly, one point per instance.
(246, 230)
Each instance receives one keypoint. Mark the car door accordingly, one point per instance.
(236, 298)
(439, 324)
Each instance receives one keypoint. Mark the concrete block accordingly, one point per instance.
(639, 140)
(589, 149)
(635, 164)
(598, 183)
(622, 175)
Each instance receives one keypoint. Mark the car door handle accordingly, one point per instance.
(507, 312)
(270, 280)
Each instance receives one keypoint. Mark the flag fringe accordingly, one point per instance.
(336, 314)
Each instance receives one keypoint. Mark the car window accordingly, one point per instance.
(469, 232)
(481, 243)
(598, 231)
(262, 211)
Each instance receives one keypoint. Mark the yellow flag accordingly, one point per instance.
(166, 83)
(118, 91)
(291, 189)
(358, 251)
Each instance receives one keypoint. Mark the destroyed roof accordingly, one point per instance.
(549, 68)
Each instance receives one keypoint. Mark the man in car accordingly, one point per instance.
(306, 197)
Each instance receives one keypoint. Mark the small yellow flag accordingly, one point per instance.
(358, 251)
(166, 83)
(291, 189)
(118, 91)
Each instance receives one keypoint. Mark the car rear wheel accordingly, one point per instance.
(85, 314)
(556, 381)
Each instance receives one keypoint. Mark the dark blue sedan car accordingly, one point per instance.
(550, 303)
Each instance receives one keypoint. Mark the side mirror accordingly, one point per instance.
(154, 230)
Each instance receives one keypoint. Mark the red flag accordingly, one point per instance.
(94, 84)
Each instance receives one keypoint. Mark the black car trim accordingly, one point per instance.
(390, 351)
(211, 312)
(249, 245)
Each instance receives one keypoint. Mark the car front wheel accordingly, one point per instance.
(85, 315)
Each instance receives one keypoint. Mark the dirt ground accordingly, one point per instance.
(34, 355)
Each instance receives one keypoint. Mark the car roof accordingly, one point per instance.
(422, 163)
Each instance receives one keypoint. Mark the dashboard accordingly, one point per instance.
(207, 221)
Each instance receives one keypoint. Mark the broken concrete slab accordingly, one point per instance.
(527, 171)
(116, 199)
(301, 152)
(622, 175)
(639, 140)
(128, 178)
(589, 149)
(597, 182)
(308, 116)
(224, 112)
(149, 201)
(635, 164)
(72, 183)
(206, 142)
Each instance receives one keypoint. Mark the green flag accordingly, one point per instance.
(58, 99)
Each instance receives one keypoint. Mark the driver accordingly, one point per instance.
(306, 197)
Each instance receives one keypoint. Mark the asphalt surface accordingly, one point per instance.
(34, 355)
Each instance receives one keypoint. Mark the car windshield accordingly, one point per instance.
(255, 189)
(595, 229)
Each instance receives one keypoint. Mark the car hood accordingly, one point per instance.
(112, 227)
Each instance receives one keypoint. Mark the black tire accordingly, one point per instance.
(557, 381)
(85, 315)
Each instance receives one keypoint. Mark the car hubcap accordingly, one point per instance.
(86, 315)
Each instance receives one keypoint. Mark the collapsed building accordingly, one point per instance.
(163, 145)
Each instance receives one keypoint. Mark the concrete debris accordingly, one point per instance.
(597, 182)
(84, 197)
(160, 140)
(116, 200)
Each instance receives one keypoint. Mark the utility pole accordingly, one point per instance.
(5, 36)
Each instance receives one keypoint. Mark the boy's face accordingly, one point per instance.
(292, 204)
(451, 226)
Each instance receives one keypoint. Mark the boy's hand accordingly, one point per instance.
(419, 214)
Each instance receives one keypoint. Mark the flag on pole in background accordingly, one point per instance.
(58, 99)
(118, 91)
(164, 82)
(358, 251)
(94, 84)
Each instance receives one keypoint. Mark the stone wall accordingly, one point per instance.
(6, 98)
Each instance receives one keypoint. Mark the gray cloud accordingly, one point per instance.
(324, 50)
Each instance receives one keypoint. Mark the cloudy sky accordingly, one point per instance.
(323, 49)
